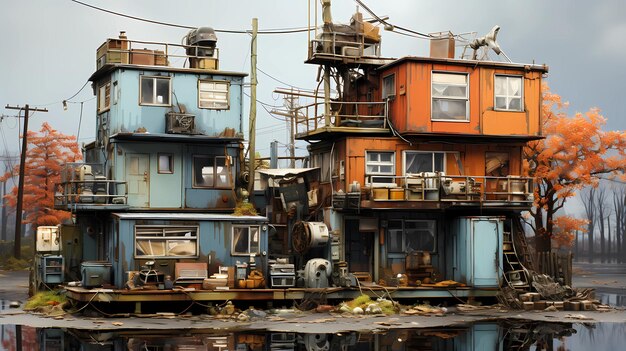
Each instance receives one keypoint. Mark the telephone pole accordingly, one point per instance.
(17, 244)
(253, 83)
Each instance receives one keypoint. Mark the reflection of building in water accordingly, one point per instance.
(505, 335)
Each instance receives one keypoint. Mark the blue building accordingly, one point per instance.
(160, 181)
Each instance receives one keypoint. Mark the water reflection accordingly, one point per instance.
(618, 300)
(503, 335)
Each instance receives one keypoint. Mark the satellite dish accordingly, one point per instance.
(489, 41)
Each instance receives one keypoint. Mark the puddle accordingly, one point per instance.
(613, 299)
(505, 335)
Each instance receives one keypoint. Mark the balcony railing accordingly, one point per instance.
(343, 116)
(437, 187)
(83, 184)
(343, 45)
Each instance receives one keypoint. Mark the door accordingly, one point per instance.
(486, 253)
(138, 178)
(359, 248)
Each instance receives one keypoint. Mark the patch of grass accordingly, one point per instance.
(245, 209)
(45, 299)
(361, 301)
(13, 264)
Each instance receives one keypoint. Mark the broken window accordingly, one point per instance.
(450, 94)
(421, 161)
(406, 236)
(211, 172)
(166, 241)
(154, 91)
(508, 93)
(213, 94)
(245, 240)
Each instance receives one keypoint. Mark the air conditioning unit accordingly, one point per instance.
(179, 123)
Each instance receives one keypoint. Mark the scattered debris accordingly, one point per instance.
(581, 317)
(117, 324)
(365, 305)
(14, 304)
(425, 310)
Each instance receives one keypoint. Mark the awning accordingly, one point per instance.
(285, 172)
(187, 216)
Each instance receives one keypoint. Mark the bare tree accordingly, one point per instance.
(619, 202)
(601, 211)
(588, 198)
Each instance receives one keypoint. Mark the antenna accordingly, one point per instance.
(489, 40)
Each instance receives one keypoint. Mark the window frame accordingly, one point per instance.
(506, 96)
(225, 82)
(102, 89)
(171, 163)
(154, 90)
(215, 173)
(165, 238)
(370, 175)
(392, 93)
(444, 161)
(466, 99)
(233, 252)
(393, 232)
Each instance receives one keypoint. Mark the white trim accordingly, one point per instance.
(467, 97)
(495, 108)
(154, 90)
(232, 240)
(209, 81)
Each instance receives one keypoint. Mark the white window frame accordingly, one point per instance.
(389, 91)
(154, 91)
(103, 96)
(249, 252)
(213, 103)
(168, 241)
(506, 95)
(371, 175)
(216, 184)
(445, 159)
(466, 98)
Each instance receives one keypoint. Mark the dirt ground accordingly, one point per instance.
(13, 287)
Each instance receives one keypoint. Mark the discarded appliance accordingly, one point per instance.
(282, 274)
(95, 273)
(316, 273)
(308, 235)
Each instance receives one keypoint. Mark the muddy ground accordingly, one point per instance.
(13, 286)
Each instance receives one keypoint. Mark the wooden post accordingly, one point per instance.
(252, 127)
(17, 244)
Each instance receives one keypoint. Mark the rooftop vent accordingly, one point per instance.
(203, 40)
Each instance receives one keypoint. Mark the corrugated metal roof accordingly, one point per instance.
(187, 216)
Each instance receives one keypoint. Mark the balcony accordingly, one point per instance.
(434, 190)
(83, 186)
(344, 117)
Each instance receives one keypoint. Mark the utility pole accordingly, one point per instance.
(17, 244)
(3, 214)
(252, 127)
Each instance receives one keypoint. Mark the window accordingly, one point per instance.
(166, 241)
(213, 94)
(245, 240)
(420, 161)
(450, 97)
(380, 163)
(508, 93)
(389, 86)
(406, 236)
(154, 91)
(496, 164)
(211, 172)
(166, 163)
(104, 97)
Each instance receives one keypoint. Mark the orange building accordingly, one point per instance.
(421, 160)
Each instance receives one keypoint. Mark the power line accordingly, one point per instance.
(266, 31)
(392, 26)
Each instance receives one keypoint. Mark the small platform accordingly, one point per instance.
(80, 294)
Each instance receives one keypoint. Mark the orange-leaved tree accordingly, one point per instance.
(575, 153)
(48, 150)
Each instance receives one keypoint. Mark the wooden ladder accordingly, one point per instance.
(515, 274)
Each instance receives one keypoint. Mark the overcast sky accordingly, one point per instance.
(49, 48)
